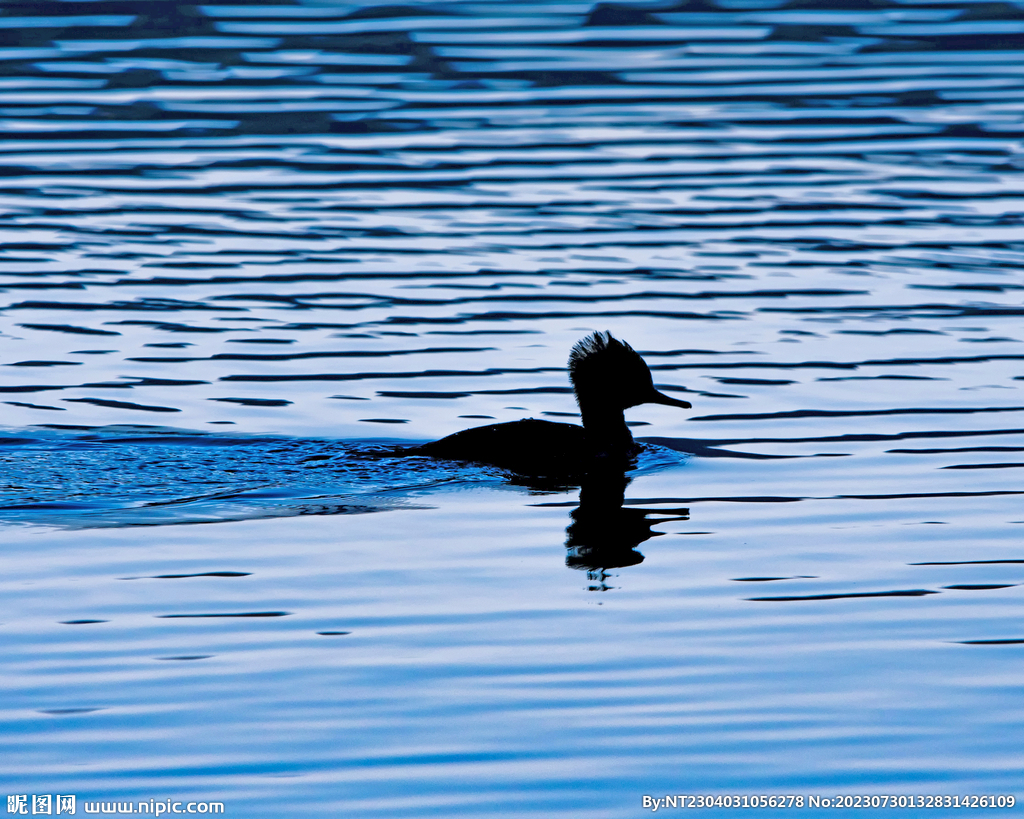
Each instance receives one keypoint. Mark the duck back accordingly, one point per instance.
(528, 447)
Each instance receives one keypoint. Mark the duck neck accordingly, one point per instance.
(607, 433)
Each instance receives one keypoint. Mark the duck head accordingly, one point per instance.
(608, 376)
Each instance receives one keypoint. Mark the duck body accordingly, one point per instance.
(608, 376)
(529, 447)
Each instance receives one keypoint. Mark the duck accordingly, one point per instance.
(608, 377)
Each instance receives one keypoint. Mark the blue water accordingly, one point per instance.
(250, 252)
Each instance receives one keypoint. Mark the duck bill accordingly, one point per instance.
(661, 398)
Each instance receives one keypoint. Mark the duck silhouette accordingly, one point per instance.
(608, 377)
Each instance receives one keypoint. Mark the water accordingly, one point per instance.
(250, 250)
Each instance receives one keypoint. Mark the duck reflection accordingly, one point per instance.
(604, 533)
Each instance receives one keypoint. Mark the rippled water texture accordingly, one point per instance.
(251, 251)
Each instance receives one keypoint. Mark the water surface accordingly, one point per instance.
(250, 250)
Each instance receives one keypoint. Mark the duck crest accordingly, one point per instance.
(595, 349)
(586, 346)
